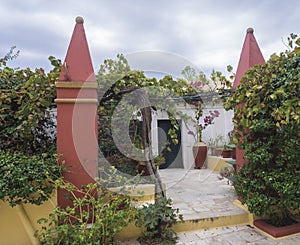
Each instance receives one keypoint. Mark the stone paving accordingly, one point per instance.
(201, 194)
(236, 235)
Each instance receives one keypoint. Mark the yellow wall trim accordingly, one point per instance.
(80, 101)
(27, 224)
(76, 85)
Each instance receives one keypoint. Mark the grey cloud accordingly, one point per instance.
(207, 33)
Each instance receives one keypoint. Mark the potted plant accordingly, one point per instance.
(200, 148)
(226, 153)
(216, 145)
(232, 144)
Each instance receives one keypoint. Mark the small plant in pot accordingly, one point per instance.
(227, 151)
(200, 148)
(232, 144)
(216, 144)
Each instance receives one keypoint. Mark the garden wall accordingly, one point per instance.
(17, 224)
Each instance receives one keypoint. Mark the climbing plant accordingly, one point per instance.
(116, 80)
(128, 94)
(267, 121)
(28, 164)
(26, 100)
(27, 178)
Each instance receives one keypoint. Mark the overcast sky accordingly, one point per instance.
(208, 34)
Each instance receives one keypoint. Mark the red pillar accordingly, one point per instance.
(250, 56)
(77, 102)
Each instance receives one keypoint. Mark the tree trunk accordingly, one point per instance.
(146, 112)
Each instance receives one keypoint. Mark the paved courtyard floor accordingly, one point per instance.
(201, 194)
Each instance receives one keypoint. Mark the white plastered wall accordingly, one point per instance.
(222, 126)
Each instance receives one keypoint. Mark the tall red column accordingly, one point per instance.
(77, 113)
(250, 56)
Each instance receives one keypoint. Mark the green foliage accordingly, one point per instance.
(96, 215)
(267, 119)
(116, 80)
(26, 100)
(158, 220)
(27, 179)
(208, 92)
(203, 84)
(11, 55)
(28, 165)
(159, 159)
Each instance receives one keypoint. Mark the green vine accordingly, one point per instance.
(27, 179)
(267, 120)
(28, 165)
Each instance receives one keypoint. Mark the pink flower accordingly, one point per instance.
(191, 133)
(196, 84)
(217, 113)
(208, 120)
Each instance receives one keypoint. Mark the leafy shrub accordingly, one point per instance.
(94, 218)
(26, 100)
(158, 220)
(27, 179)
(267, 119)
(28, 165)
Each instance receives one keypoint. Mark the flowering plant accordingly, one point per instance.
(208, 120)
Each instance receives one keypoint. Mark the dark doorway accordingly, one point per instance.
(174, 157)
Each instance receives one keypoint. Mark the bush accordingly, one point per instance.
(26, 100)
(267, 119)
(158, 220)
(28, 165)
(27, 179)
(94, 218)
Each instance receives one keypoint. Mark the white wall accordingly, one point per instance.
(222, 126)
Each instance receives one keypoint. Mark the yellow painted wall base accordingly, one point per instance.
(216, 163)
(17, 224)
(214, 222)
(129, 232)
(142, 193)
(132, 231)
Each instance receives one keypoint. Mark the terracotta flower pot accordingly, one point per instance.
(277, 231)
(200, 153)
(226, 153)
(142, 169)
(233, 153)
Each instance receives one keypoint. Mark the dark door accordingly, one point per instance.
(174, 157)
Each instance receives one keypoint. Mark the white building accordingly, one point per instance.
(181, 155)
